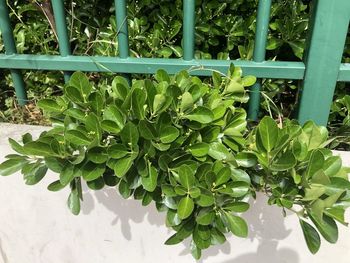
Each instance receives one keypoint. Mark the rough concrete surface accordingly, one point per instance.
(36, 227)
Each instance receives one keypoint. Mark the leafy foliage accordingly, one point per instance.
(184, 144)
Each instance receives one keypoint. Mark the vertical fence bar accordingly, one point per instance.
(262, 26)
(122, 26)
(62, 32)
(188, 28)
(10, 49)
(328, 30)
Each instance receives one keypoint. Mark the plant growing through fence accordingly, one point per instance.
(184, 144)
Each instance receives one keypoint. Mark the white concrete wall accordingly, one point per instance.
(36, 227)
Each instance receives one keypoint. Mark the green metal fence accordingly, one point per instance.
(319, 72)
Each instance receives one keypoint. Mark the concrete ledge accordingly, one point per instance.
(36, 227)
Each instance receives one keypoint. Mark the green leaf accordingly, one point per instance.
(38, 148)
(49, 105)
(55, 186)
(238, 207)
(147, 130)
(248, 81)
(117, 151)
(162, 75)
(96, 184)
(327, 227)
(122, 166)
(316, 162)
(74, 202)
(173, 240)
(67, 174)
(120, 87)
(185, 207)
(112, 113)
(97, 102)
(138, 100)
(199, 149)
(76, 137)
(81, 82)
(217, 237)
(311, 236)
(150, 182)
(97, 155)
(205, 199)
(205, 216)
(223, 176)
(186, 101)
(186, 177)
(73, 94)
(129, 134)
(245, 159)
(218, 151)
(92, 171)
(168, 134)
(236, 224)
(92, 124)
(75, 113)
(332, 165)
(110, 126)
(201, 114)
(35, 175)
(268, 133)
(285, 162)
(11, 166)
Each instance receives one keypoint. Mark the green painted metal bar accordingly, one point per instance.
(10, 48)
(189, 17)
(328, 30)
(122, 26)
(62, 32)
(262, 26)
(266, 69)
(344, 72)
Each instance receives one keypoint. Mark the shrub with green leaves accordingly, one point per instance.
(184, 144)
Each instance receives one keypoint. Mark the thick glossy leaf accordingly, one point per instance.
(38, 148)
(311, 236)
(80, 81)
(201, 114)
(205, 216)
(55, 186)
(35, 175)
(122, 166)
(138, 100)
(199, 149)
(73, 94)
(93, 126)
(96, 184)
(223, 176)
(316, 163)
(78, 138)
(67, 174)
(97, 102)
(92, 171)
(245, 159)
(236, 224)
(129, 134)
(185, 207)
(186, 102)
(147, 130)
(327, 227)
(218, 151)
(11, 166)
(110, 126)
(168, 134)
(186, 177)
(238, 207)
(97, 155)
(117, 151)
(112, 113)
(268, 133)
(285, 162)
(332, 165)
(74, 202)
(50, 105)
(150, 182)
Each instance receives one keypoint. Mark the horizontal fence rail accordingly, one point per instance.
(319, 71)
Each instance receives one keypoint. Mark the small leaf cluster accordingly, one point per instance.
(184, 145)
(299, 174)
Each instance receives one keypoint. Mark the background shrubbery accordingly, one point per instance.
(224, 30)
